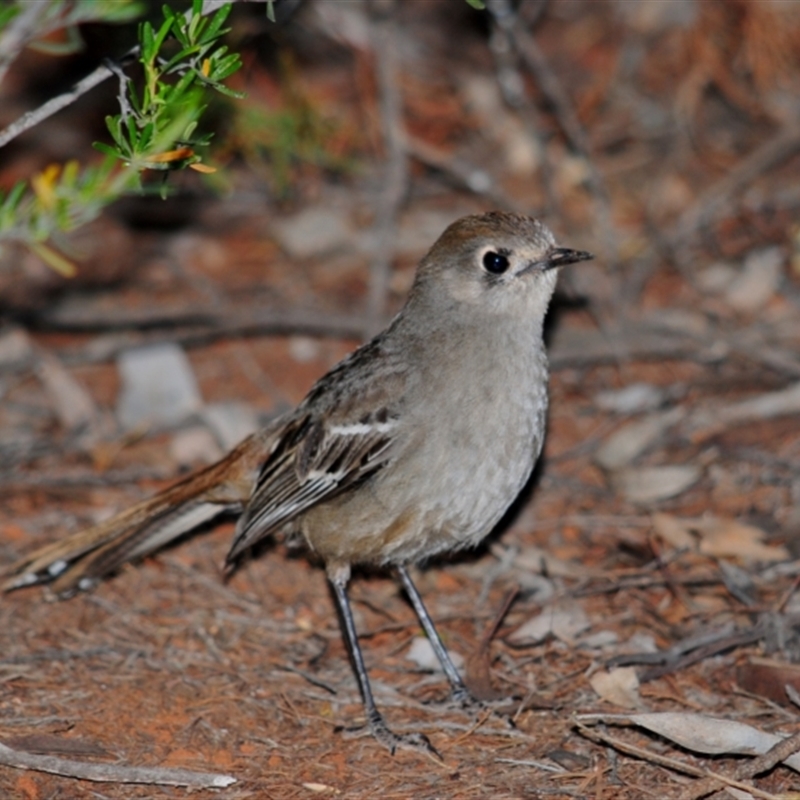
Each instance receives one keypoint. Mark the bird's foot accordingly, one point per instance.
(461, 697)
(376, 725)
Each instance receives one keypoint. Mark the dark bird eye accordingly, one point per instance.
(496, 263)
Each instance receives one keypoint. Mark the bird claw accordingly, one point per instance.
(462, 698)
(396, 741)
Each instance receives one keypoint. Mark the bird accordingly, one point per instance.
(415, 444)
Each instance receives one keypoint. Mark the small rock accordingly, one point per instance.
(230, 422)
(194, 447)
(15, 347)
(630, 441)
(72, 404)
(758, 280)
(303, 349)
(631, 399)
(158, 387)
(196, 250)
(519, 149)
(314, 232)
(650, 484)
(640, 642)
(423, 655)
(716, 278)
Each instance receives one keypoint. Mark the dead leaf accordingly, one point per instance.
(618, 686)
(564, 621)
(769, 679)
(674, 531)
(711, 735)
(718, 537)
(646, 485)
(728, 538)
(630, 441)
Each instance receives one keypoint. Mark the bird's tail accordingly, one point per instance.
(81, 560)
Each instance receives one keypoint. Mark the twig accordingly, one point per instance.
(86, 316)
(122, 97)
(312, 679)
(478, 678)
(670, 763)
(512, 84)
(705, 423)
(19, 32)
(112, 773)
(52, 654)
(780, 147)
(463, 175)
(32, 118)
(700, 639)
(779, 752)
(535, 61)
(740, 639)
(395, 181)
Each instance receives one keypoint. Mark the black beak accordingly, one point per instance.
(558, 256)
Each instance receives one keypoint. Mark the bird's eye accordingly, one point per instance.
(496, 263)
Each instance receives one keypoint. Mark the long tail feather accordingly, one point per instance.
(81, 560)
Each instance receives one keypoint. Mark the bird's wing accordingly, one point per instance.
(330, 444)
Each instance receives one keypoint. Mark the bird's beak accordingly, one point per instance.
(559, 256)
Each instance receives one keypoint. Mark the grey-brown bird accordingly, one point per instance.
(415, 444)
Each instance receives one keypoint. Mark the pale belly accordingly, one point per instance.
(446, 490)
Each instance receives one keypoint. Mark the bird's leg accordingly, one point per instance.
(460, 693)
(375, 721)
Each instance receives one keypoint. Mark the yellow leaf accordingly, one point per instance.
(44, 185)
(180, 154)
(206, 68)
(54, 260)
(204, 168)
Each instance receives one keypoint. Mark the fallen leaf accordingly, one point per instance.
(564, 621)
(729, 538)
(711, 735)
(618, 686)
(674, 531)
(650, 484)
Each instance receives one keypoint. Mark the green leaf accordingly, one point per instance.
(225, 67)
(145, 138)
(69, 175)
(14, 196)
(178, 58)
(104, 148)
(222, 89)
(116, 10)
(133, 132)
(7, 13)
(182, 86)
(217, 21)
(479, 4)
(147, 41)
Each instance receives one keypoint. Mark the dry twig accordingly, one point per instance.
(112, 773)
(395, 183)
